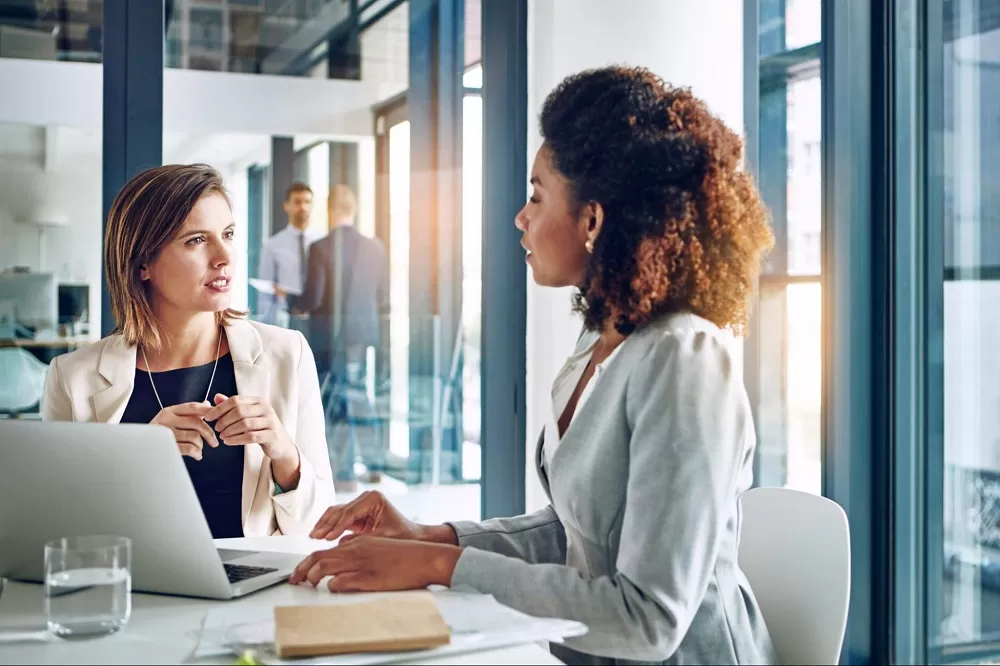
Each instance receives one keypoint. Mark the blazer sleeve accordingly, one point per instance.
(315, 286)
(536, 537)
(687, 411)
(298, 510)
(56, 405)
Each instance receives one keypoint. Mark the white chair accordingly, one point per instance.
(23, 380)
(795, 550)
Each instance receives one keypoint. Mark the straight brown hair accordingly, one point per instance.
(148, 213)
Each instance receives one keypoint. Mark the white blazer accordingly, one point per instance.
(94, 383)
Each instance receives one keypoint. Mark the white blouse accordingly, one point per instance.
(562, 390)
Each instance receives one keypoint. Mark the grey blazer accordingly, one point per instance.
(647, 481)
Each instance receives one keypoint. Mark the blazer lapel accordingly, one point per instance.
(254, 380)
(117, 367)
(543, 472)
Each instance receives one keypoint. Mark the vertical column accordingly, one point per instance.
(435, 114)
(450, 94)
(133, 102)
(282, 175)
(505, 183)
(256, 224)
(343, 166)
(852, 362)
(343, 52)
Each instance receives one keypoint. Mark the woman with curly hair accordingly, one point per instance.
(639, 201)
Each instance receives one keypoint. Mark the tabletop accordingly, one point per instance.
(165, 629)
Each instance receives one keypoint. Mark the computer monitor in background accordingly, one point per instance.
(74, 305)
(34, 297)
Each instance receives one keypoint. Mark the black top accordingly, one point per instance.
(218, 476)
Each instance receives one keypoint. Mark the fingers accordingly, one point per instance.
(355, 581)
(361, 516)
(224, 405)
(242, 418)
(198, 409)
(197, 425)
(189, 442)
(202, 428)
(303, 567)
(317, 566)
(326, 521)
(190, 450)
(187, 416)
(255, 437)
(338, 519)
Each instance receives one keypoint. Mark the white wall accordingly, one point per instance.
(37, 92)
(71, 192)
(668, 36)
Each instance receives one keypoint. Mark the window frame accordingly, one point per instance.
(856, 278)
(770, 74)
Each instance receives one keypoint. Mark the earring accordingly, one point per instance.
(589, 245)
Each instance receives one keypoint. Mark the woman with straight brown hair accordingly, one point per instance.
(242, 398)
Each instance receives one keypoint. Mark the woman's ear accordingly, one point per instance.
(596, 222)
(143, 273)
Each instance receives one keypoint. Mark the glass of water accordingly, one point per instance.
(88, 585)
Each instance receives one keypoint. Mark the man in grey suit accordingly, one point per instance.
(346, 294)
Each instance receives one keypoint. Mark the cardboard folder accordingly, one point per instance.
(395, 622)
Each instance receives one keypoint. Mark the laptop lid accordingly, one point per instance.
(74, 479)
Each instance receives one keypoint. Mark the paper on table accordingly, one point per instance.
(477, 621)
(267, 287)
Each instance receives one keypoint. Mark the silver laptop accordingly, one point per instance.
(73, 479)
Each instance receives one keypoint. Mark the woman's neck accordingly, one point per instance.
(186, 342)
(608, 341)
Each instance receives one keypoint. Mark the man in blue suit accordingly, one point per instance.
(346, 295)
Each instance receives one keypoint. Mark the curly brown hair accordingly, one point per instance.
(684, 225)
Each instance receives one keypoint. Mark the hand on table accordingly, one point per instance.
(378, 564)
(372, 514)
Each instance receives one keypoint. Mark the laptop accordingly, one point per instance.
(73, 479)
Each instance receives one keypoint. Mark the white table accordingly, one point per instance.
(165, 630)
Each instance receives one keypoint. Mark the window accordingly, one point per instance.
(964, 290)
(786, 339)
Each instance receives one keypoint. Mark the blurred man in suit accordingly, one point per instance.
(346, 294)
(284, 257)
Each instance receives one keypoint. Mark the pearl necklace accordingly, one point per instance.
(210, 379)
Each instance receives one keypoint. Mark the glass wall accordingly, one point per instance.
(67, 30)
(353, 100)
(50, 191)
(381, 98)
(786, 339)
(964, 274)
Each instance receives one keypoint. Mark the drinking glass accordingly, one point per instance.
(88, 585)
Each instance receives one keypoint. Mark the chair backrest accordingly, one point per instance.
(23, 380)
(795, 550)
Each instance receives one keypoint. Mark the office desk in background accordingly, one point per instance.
(165, 630)
(46, 349)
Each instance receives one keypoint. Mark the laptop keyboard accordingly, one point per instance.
(241, 572)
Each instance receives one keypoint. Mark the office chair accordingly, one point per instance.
(23, 381)
(795, 550)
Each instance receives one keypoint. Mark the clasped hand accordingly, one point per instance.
(383, 552)
(239, 420)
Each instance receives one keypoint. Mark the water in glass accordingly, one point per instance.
(88, 586)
